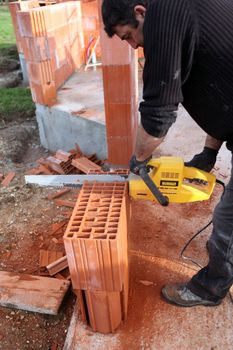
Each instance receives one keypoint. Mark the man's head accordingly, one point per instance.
(125, 18)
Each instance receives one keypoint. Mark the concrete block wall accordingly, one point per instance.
(96, 249)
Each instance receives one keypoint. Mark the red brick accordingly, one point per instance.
(96, 237)
(115, 147)
(61, 202)
(62, 74)
(118, 87)
(8, 178)
(40, 72)
(104, 310)
(58, 193)
(44, 94)
(49, 256)
(85, 165)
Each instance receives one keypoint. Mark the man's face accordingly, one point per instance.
(134, 36)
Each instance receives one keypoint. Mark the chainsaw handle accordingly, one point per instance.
(152, 187)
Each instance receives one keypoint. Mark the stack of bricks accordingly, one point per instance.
(20, 6)
(120, 79)
(96, 248)
(52, 44)
(91, 26)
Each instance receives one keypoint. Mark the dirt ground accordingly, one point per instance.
(26, 216)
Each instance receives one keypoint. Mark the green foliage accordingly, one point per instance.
(7, 37)
(16, 103)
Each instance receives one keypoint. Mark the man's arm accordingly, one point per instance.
(145, 144)
(211, 142)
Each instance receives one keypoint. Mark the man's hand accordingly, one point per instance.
(204, 160)
(135, 165)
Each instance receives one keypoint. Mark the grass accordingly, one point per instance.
(16, 103)
(7, 37)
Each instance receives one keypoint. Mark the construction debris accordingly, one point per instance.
(49, 256)
(58, 193)
(7, 179)
(57, 266)
(32, 293)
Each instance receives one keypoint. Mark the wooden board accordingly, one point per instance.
(32, 293)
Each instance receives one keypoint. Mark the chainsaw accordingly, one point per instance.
(164, 180)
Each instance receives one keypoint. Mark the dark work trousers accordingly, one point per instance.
(213, 281)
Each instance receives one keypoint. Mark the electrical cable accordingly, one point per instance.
(197, 234)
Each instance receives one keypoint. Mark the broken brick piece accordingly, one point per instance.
(64, 156)
(9, 177)
(58, 193)
(57, 227)
(55, 164)
(61, 202)
(1, 176)
(85, 165)
(57, 266)
(44, 170)
(49, 256)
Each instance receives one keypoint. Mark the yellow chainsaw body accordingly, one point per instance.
(180, 184)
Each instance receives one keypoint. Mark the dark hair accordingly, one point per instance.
(121, 12)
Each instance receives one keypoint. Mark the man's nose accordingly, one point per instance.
(132, 43)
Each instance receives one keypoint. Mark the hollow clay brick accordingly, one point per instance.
(96, 237)
(96, 247)
(40, 72)
(115, 146)
(104, 310)
(85, 165)
(44, 94)
(63, 155)
(120, 94)
(55, 164)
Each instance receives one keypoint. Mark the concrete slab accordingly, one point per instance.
(77, 117)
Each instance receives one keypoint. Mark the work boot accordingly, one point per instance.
(179, 294)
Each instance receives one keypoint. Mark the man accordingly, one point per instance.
(188, 50)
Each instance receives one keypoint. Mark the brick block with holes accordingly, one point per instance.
(96, 247)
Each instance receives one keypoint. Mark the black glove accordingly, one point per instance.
(204, 160)
(135, 165)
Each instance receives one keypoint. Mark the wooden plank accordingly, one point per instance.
(32, 293)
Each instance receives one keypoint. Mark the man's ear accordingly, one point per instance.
(139, 11)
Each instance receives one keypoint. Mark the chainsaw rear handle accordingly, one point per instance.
(152, 187)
